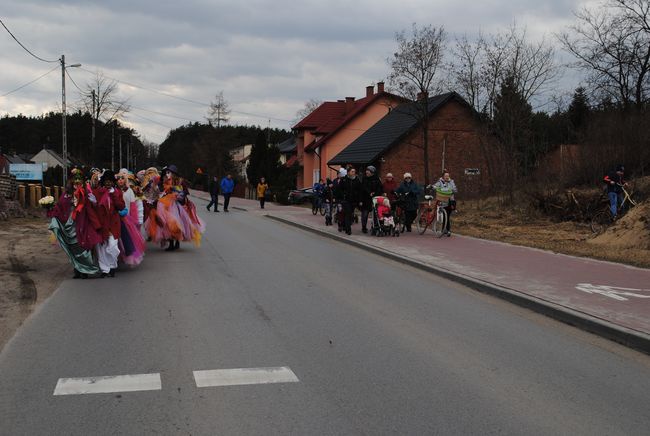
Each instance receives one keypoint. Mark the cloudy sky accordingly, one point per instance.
(268, 57)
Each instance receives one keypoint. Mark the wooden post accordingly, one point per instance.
(48, 191)
(56, 194)
(21, 195)
(39, 194)
(32, 195)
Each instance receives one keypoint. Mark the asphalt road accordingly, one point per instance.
(377, 348)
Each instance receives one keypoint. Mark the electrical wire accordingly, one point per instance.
(25, 48)
(73, 82)
(155, 91)
(152, 121)
(30, 82)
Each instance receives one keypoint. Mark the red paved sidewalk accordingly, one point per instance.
(617, 295)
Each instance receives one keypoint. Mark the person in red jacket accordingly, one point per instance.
(389, 186)
(109, 206)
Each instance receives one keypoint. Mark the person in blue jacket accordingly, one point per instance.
(227, 186)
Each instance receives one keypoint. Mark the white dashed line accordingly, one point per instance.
(244, 376)
(108, 384)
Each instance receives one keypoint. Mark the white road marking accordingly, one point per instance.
(108, 384)
(615, 292)
(244, 376)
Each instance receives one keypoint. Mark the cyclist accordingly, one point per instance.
(411, 191)
(615, 185)
(445, 190)
(318, 193)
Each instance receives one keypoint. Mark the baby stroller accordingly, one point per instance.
(383, 223)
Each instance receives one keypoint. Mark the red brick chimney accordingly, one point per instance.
(349, 104)
(380, 87)
(370, 90)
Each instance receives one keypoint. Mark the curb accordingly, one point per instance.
(622, 335)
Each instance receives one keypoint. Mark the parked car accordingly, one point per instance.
(300, 196)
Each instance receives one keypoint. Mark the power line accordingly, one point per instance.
(73, 82)
(30, 82)
(25, 48)
(163, 114)
(152, 121)
(155, 91)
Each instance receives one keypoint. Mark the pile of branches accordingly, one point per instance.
(568, 204)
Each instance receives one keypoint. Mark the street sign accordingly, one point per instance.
(26, 171)
(472, 171)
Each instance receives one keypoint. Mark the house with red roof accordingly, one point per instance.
(333, 126)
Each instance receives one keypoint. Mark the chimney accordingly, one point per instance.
(370, 90)
(380, 87)
(349, 104)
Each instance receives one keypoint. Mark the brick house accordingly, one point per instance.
(458, 141)
(330, 128)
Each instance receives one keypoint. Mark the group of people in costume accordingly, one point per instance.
(103, 218)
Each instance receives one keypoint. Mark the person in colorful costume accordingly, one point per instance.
(150, 191)
(131, 242)
(174, 219)
(110, 206)
(74, 224)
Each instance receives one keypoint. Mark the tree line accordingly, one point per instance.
(510, 81)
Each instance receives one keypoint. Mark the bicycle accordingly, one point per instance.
(602, 218)
(399, 213)
(431, 213)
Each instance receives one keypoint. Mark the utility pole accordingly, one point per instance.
(113, 146)
(64, 150)
(64, 145)
(120, 137)
(92, 137)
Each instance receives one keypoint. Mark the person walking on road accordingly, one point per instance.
(262, 187)
(411, 190)
(445, 193)
(337, 192)
(214, 194)
(371, 186)
(227, 186)
(352, 195)
(615, 184)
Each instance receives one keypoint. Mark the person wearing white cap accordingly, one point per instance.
(411, 190)
(389, 187)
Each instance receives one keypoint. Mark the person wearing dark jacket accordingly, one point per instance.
(352, 196)
(371, 187)
(337, 193)
(389, 187)
(615, 185)
(411, 191)
(214, 194)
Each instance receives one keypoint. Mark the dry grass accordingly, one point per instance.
(627, 242)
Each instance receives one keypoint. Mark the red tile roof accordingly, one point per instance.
(330, 116)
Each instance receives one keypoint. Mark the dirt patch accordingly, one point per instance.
(627, 242)
(31, 268)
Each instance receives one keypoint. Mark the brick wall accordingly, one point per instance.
(466, 146)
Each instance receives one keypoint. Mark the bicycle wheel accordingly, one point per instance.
(321, 209)
(400, 221)
(600, 221)
(440, 222)
(424, 218)
(314, 209)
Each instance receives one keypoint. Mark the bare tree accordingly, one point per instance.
(414, 72)
(310, 106)
(99, 98)
(612, 44)
(465, 72)
(481, 66)
(219, 110)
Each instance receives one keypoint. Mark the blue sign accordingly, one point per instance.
(27, 171)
